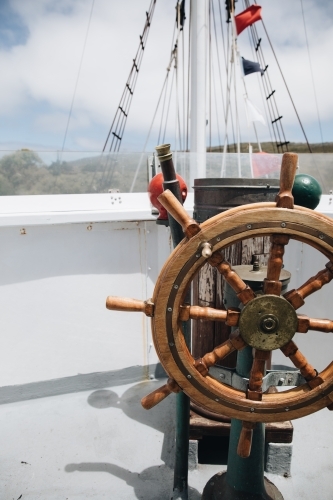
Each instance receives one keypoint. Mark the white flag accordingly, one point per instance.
(253, 113)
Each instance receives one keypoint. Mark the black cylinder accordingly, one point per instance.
(213, 196)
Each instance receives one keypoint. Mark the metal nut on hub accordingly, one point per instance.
(269, 323)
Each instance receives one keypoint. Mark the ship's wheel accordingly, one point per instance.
(265, 322)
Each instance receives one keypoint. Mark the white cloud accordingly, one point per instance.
(38, 78)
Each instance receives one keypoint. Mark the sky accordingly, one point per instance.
(52, 63)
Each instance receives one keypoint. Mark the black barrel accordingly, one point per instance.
(213, 196)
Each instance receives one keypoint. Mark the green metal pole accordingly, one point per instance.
(180, 482)
(246, 474)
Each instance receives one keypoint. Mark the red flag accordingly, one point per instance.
(266, 165)
(247, 17)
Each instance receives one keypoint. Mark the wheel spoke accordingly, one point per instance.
(296, 297)
(130, 305)
(243, 291)
(178, 212)
(309, 373)
(257, 374)
(272, 284)
(230, 317)
(285, 198)
(319, 325)
(234, 342)
(159, 394)
(245, 439)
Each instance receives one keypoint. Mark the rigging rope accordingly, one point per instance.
(119, 121)
(166, 87)
(312, 77)
(168, 109)
(274, 116)
(210, 74)
(163, 107)
(77, 78)
(216, 107)
(188, 79)
(260, 86)
(147, 139)
(287, 88)
(284, 80)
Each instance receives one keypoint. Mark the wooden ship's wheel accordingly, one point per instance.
(265, 322)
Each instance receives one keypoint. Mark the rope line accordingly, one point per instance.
(312, 77)
(116, 131)
(260, 86)
(287, 88)
(77, 78)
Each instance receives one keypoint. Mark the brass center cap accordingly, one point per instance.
(268, 322)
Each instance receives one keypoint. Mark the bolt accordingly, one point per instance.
(217, 399)
(169, 309)
(171, 344)
(321, 236)
(197, 255)
(206, 251)
(222, 375)
(189, 376)
(176, 287)
(286, 408)
(283, 224)
(251, 409)
(218, 239)
(249, 226)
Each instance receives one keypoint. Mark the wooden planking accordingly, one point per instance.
(204, 291)
(275, 432)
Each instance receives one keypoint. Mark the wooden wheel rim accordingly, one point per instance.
(221, 231)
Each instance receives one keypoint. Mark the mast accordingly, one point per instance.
(199, 34)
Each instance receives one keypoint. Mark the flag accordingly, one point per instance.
(266, 165)
(253, 113)
(251, 67)
(247, 17)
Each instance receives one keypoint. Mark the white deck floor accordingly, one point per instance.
(102, 444)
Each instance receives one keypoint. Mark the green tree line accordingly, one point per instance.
(23, 172)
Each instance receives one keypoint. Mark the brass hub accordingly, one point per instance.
(268, 322)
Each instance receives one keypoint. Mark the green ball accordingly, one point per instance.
(306, 191)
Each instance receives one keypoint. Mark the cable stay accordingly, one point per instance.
(312, 77)
(116, 132)
(173, 65)
(279, 142)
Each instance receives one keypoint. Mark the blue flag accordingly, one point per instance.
(251, 67)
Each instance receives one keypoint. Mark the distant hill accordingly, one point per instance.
(267, 147)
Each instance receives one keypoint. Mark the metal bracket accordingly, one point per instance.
(278, 378)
